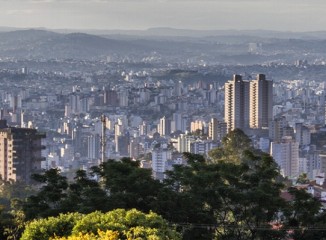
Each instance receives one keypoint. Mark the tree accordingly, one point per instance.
(47, 228)
(196, 195)
(128, 185)
(47, 202)
(234, 195)
(240, 199)
(117, 224)
(16, 225)
(303, 216)
(107, 235)
(303, 179)
(85, 195)
(234, 144)
(251, 199)
(12, 219)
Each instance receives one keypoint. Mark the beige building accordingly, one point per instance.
(197, 125)
(286, 155)
(236, 106)
(20, 153)
(248, 104)
(261, 102)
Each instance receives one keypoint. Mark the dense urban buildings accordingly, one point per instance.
(168, 103)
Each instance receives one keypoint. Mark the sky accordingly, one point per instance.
(284, 15)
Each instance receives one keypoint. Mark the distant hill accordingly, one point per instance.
(45, 44)
(35, 43)
(174, 44)
(173, 32)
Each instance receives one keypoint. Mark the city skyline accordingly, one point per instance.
(279, 15)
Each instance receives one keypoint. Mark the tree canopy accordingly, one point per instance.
(117, 224)
(235, 194)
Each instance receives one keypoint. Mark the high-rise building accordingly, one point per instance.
(286, 155)
(277, 128)
(216, 130)
(20, 153)
(248, 103)
(261, 102)
(93, 146)
(212, 129)
(144, 129)
(122, 145)
(160, 156)
(184, 142)
(236, 106)
(74, 103)
(135, 148)
(197, 125)
(322, 157)
(164, 127)
(179, 122)
(123, 98)
(302, 134)
(110, 97)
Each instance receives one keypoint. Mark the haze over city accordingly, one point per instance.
(162, 119)
(283, 15)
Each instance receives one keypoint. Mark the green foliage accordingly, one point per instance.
(234, 195)
(57, 196)
(15, 190)
(12, 219)
(245, 196)
(130, 224)
(47, 228)
(129, 186)
(303, 179)
(234, 144)
(107, 235)
(304, 217)
(251, 200)
(84, 195)
(15, 226)
(47, 202)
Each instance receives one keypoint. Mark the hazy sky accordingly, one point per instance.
(294, 15)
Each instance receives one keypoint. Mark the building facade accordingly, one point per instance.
(261, 102)
(236, 106)
(286, 155)
(20, 153)
(248, 103)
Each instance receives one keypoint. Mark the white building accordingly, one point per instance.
(160, 156)
(286, 155)
(184, 142)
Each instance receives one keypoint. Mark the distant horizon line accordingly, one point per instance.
(158, 28)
